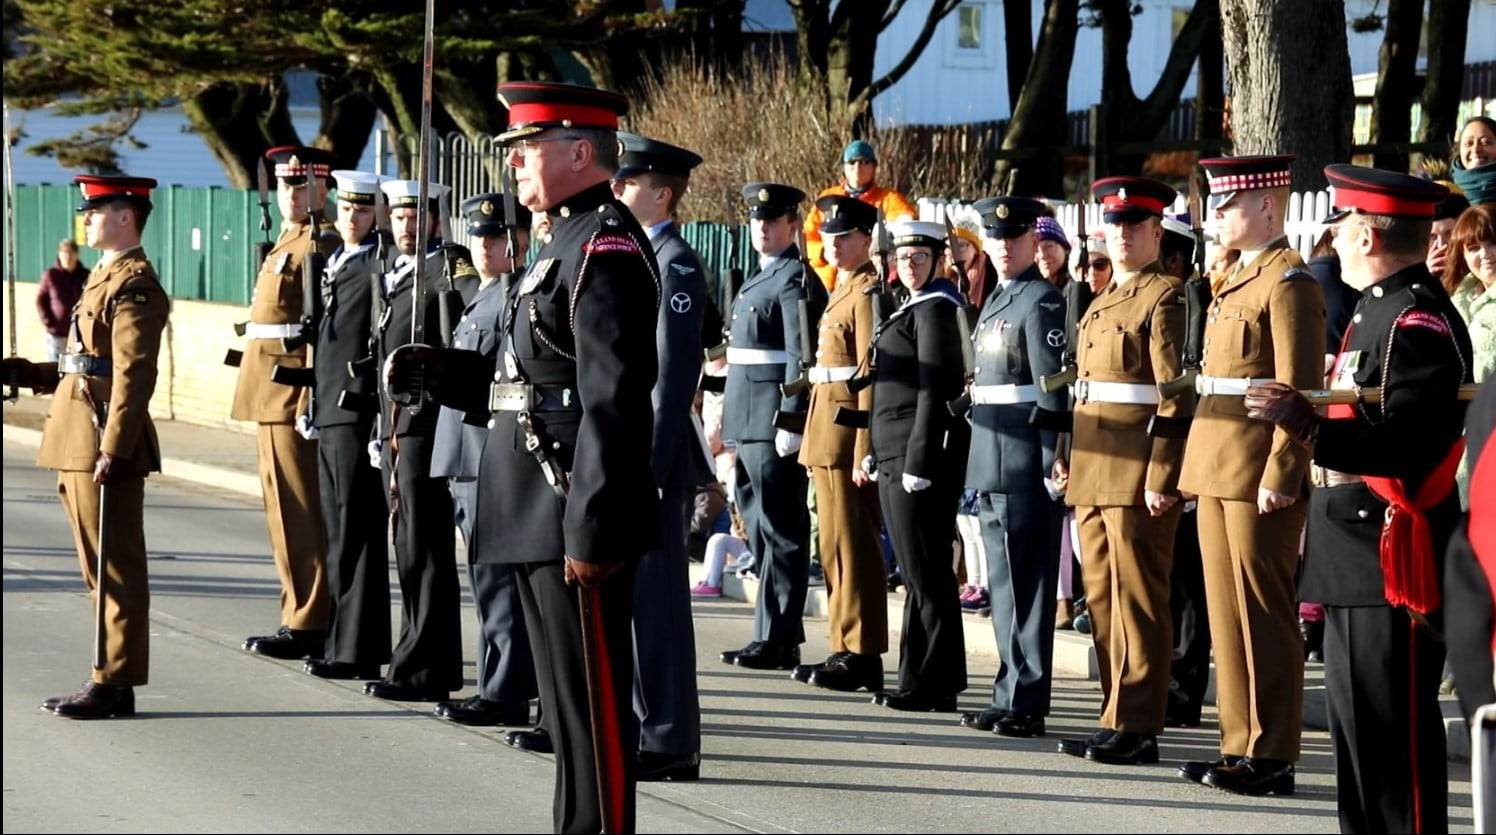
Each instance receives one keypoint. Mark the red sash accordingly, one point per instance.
(1409, 574)
(1482, 529)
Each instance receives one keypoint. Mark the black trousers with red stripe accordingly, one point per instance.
(1382, 685)
(553, 616)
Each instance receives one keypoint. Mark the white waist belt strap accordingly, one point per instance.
(255, 330)
(756, 356)
(1227, 386)
(1133, 394)
(1004, 395)
(831, 374)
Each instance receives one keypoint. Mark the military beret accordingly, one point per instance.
(357, 187)
(1225, 176)
(642, 154)
(917, 233)
(403, 194)
(770, 200)
(1008, 217)
(1131, 199)
(292, 163)
(486, 214)
(841, 214)
(98, 190)
(1372, 191)
(535, 106)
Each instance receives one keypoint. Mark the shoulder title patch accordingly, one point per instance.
(1423, 319)
(610, 242)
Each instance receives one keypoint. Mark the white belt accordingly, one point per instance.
(1229, 386)
(255, 330)
(1004, 394)
(1135, 394)
(831, 374)
(756, 356)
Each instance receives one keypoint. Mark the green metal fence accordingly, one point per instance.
(201, 240)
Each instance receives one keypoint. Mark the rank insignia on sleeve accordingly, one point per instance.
(680, 302)
(610, 242)
(682, 269)
(1055, 338)
(1423, 319)
(1050, 305)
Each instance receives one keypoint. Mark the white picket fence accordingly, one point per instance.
(1304, 224)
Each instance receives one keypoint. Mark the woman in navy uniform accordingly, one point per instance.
(920, 452)
(1376, 540)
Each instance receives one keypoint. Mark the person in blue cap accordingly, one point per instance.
(652, 179)
(859, 180)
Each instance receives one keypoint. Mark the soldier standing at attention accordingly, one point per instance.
(764, 353)
(839, 458)
(570, 438)
(1123, 474)
(99, 436)
(651, 180)
(1375, 545)
(1266, 322)
(1018, 339)
(506, 669)
(919, 449)
(287, 455)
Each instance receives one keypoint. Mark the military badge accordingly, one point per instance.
(1002, 211)
(680, 303)
(538, 273)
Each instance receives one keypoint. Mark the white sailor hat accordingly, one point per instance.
(917, 233)
(358, 187)
(407, 193)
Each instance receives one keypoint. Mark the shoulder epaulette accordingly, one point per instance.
(1298, 272)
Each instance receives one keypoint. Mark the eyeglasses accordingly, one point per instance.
(1100, 264)
(918, 259)
(531, 147)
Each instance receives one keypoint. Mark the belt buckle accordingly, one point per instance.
(509, 397)
(1082, 389)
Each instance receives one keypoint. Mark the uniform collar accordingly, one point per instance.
(1401, 280)
(586, 200)
(659, 228)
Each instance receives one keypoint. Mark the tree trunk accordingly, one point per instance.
(1037, 129)
(238, 123)
(1018, 37)
(850, 50)
(1397, 84)
(1290, 81)
(1448, 27)
(348, 115)
(716, 32)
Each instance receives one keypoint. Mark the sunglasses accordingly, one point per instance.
(1100, 264)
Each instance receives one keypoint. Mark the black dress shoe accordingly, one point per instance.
(1077, 747)
(98, 701)
(340, 669)
(983, 720)
(1020, 725)
(480, 712)
(803, 672)
(395, 692)
(536, 740)
(1125, 749)
(288, 644)
(676, 768)
(1253, 776)
(50, 703)
(731, 656)
(915, 701)
(1195, 770)
(763, 655)
(850, 672)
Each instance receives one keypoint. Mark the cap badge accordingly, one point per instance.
(763, 195)
(1122, 194)
(835, 209)
(486, 208)
(293, 163)
(1002, 211)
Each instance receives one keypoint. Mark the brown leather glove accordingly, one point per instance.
(1282, 404)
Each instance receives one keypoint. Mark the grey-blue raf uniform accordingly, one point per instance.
(666, 700)
(506, 668)
(1018, 339)
(770, 489)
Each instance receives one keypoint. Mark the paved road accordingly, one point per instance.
(230, 742)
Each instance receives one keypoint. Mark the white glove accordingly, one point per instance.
(305, 429)
(914, 484)
(786, 442)
(1055, 491)
(870, 466)
(376, 448)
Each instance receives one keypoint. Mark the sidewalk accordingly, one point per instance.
(225, 459)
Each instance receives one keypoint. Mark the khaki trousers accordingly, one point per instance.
(847, 517)
(293, 513)
(127, 596)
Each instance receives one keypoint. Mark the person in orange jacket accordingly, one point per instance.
(859, 171)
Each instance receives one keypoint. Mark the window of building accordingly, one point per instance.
(969, 26)
(974, 39)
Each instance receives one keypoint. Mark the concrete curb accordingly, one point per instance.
(220, 477)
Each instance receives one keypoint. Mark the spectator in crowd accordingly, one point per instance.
(1445, 214)
(978, 275)
(725, 551)
(859, 180)
(1054, 252)
(1468, 278)
(1098, 267)
(60, 288)
(1474, 168)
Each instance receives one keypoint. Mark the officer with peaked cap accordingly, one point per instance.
(283, 435)
(1017, 340)
(1374, 548)
(1265, 322)
(500, 231)
(651, 180)
(99, 434)
(1122, 476)
(764, 353)
(839, 458)
(571, 419)
(919, 448)
(344, 409)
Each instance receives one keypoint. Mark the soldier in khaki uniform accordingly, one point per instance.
(1265, 322)
(99, 435)
(837, 457)
(1123, 474)
(287, 455)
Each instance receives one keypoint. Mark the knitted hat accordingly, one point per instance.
(1049, 229)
